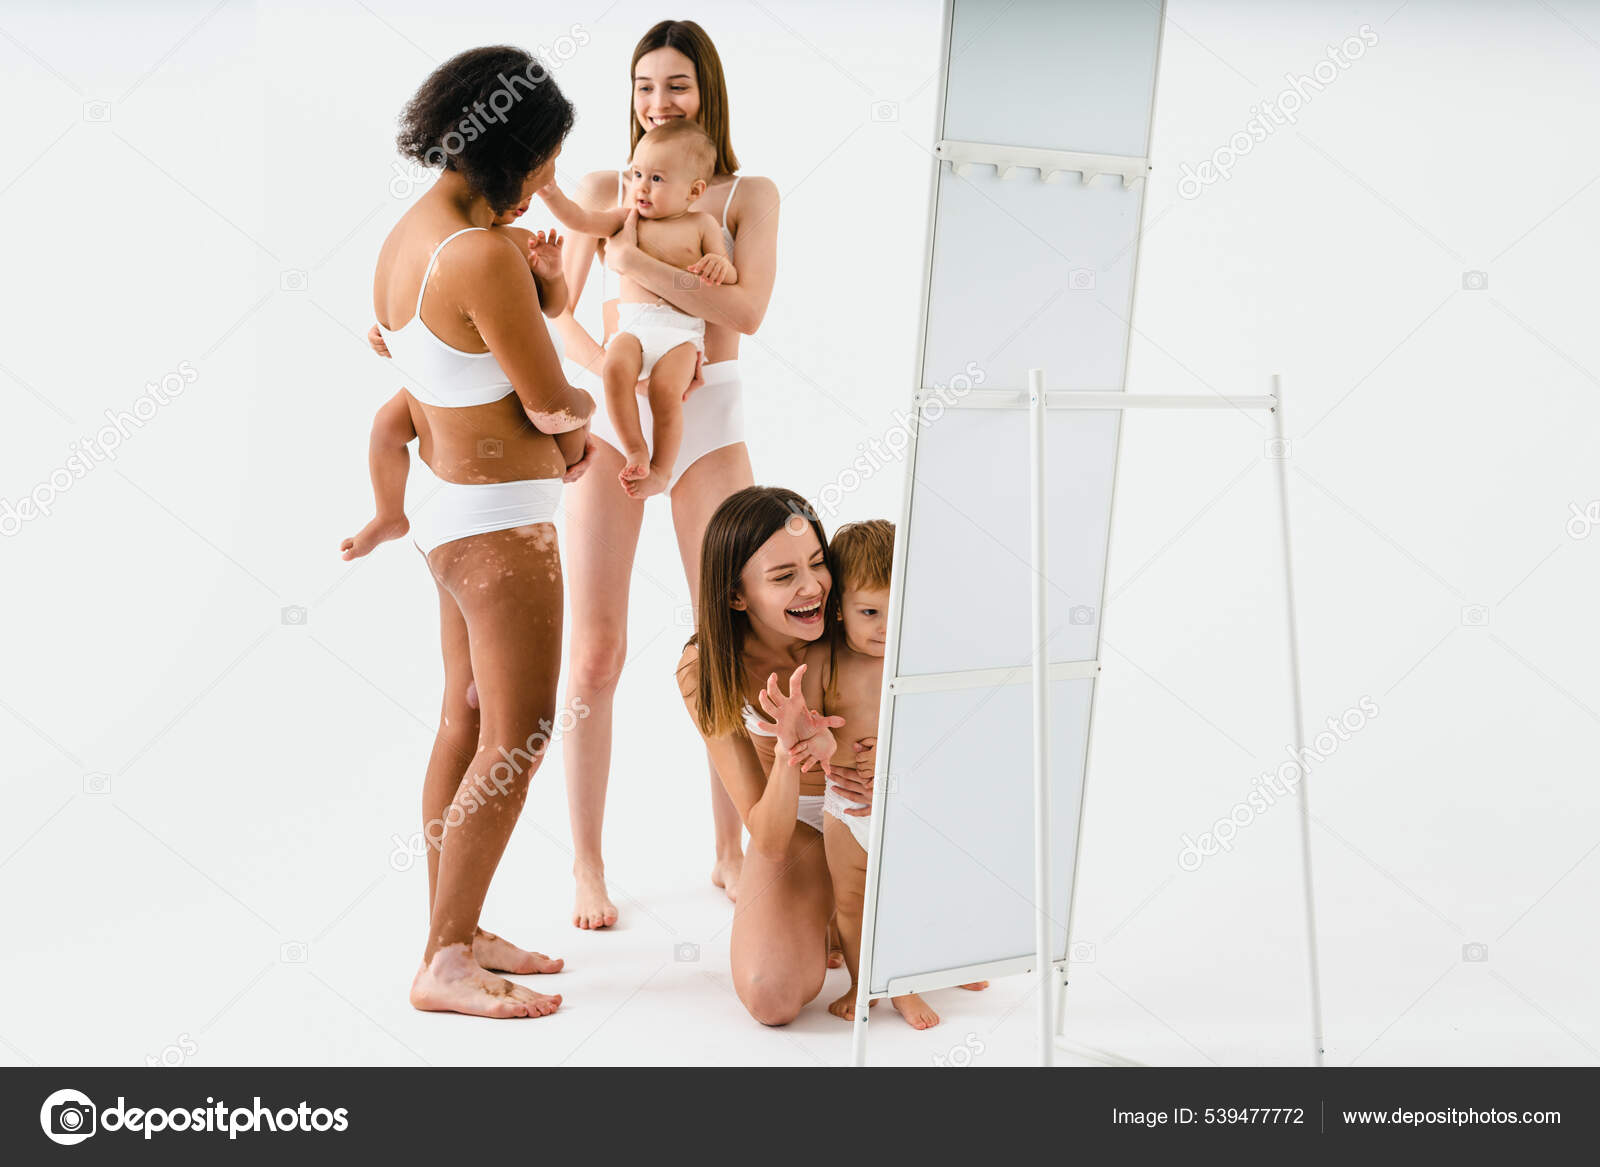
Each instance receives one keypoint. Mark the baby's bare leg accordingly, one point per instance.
(668, 379)
(847, 867)
(389, 463)
(624, 358)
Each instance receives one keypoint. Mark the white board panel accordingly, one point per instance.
(1053, 74)
(967, 541)
(1028, 274)
(957, 864)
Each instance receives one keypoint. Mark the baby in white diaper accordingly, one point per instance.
(846, 680)
(670, 169)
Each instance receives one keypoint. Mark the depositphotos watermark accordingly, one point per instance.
(87, 453)
(477, 792)
(1274, 784)
(70, 1116)
(1269, 115)
(890, 446)
(547, 59)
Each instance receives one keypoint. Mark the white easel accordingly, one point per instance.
(1050, 971)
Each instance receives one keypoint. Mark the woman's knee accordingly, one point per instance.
(596, 663)
(773, 1004)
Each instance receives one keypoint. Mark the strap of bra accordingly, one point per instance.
(434, 258)
(729, 203)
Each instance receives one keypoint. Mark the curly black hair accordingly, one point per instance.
(495, 114)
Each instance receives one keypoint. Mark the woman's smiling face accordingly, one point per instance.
(665, 87)
(785, 584)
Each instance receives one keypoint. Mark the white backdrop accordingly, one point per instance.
(202, 796)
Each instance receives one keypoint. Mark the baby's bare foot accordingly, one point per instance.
(453, 982)
(835, 946)
(592, 908)
(915, 1010)
(726, 875)
(498, 954)
(845, 1006)
(652, 483)
(375, 532)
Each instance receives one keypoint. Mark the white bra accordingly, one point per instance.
(436, 373)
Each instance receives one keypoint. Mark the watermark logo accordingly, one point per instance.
(68, 1117)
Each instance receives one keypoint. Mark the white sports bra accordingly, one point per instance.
(436, 373)
(608, 292)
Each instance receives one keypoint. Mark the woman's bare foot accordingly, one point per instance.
(592, 908)
(726, 875)
(975, 986)
(496, 954)
(915, 1010)
(453, 982)
(375, 532)
(651, 483)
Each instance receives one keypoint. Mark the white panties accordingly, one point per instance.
(836, 804)
(454, 510)
(659, 329)
(713, 416)
(810, 811)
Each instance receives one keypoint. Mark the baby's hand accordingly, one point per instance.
(375, 339)
(813, 752)
(544, 254)
(714, 269)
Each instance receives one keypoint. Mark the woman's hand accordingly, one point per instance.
(855, 783)
(621, 246)
(544, 254)
(578, 468)
(815, 751)
(375, 339)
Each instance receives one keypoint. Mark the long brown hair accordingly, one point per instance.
(746, 519)
(691, 40)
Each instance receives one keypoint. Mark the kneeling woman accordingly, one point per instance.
(764, 583)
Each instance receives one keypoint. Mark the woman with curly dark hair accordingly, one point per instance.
(500, 429)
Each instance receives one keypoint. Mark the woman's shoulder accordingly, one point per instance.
(689, 671)
(755, 190)
(597, 189)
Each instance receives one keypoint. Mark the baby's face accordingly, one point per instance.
(866, 620)
(661, 182)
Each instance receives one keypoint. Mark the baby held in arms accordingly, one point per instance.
(845, 679)
(670, 169)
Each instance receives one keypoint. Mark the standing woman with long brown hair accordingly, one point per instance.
(675, 73)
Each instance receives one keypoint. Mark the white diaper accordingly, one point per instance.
(659, 329)
(836, 804)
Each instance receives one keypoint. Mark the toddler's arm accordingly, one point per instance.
(601, 224)
(713, 266)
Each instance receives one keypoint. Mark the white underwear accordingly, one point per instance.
(810, 811)
(713, 416)
(836, 804)
(659, 329)
(454, 510)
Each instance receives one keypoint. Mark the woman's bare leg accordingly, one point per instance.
(602, 536)
(454, 745)
(507, 585)
(695, 499)
(779, 944)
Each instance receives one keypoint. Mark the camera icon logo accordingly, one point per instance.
(1276, 449)
(97, 782)
(97, 111)
(292, 280)
(1474, 281)
(1475, 953)
(1081, 952)
(685, 281)
(685, 952)
(68, 1117)
(683, 615)
(885, 111)
(294, 614)
(1081, 279)
(1475, 616)
(490, 447)
(292, 952)
(1081, 614)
